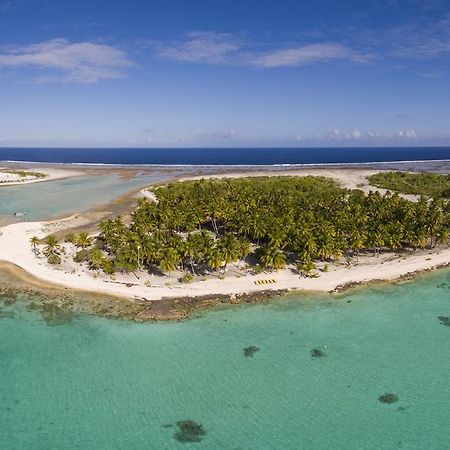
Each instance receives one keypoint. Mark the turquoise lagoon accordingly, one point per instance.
(43, 200)
(93, 383)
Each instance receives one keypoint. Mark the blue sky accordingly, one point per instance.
(224, 73)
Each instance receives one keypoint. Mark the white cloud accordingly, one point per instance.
(208, 47)
(408, 134)
(83, 62)
(306, 54)
(227, 133)
(356, 134)
(225, 48)
(371, 136)
(334, 134)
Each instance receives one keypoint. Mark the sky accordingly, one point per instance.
(224, 73)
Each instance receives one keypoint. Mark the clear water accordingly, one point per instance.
(55, 198)
(227, 156)
(99, 384)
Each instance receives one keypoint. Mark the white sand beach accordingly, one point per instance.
(8, 177)
(15, 248)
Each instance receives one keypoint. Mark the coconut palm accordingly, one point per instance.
(96, 259)
(272, 257)
(215, 258)
(302, 219)
(229, 249)
(34, 241)
(83, 240)
(51, 246)
(169, 258)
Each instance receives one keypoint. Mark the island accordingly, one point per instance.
(233, 236)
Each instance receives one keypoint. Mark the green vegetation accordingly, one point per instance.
(83, 240)
(52, 250)
(206, 225)
(25, 173)
(186, 278)
(54, 259)
(428, 184)
(34, 241)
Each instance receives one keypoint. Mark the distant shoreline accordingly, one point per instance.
(225, 156)
(279, 166)
(48, 175)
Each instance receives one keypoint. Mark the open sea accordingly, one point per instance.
(365, 370)
(224, 156)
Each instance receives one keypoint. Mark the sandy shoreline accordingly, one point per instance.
(8, 179)
(15, 248)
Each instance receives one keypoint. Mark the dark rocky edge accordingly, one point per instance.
(58, 305)
(184, 307)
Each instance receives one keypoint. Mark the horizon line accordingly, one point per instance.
(219, 148)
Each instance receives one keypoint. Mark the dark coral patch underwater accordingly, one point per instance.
(6, 314)
(317, 353)
(388, 398)
(52, 313)
(444, 320)
(250, 351)
(189, 431)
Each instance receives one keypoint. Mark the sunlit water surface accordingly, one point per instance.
(43, 200)
(93, 383)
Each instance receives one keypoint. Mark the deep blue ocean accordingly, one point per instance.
(224, 156)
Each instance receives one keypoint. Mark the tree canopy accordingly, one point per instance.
(428, 184)
(271, 221)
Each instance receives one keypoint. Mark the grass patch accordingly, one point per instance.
(427, 184)
(26, 173)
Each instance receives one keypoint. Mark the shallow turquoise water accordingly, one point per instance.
(54, 198)
(99, 384)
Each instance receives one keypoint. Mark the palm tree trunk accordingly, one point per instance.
(215, 226)
(192, 266)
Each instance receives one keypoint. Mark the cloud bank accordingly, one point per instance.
(371, 136)
(225, 48)
(83, 62)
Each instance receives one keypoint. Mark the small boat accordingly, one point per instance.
(19, 213)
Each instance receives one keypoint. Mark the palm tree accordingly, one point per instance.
(244, 248)
(169, 258)
(52, 246)
(272, 257)
(83, 240)
(96, 259)
(148, 251)
(215, 259)
(442, 235)
(191, 250)
(34, 241)
(216, 222)
(356, 241)
(228, 249)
